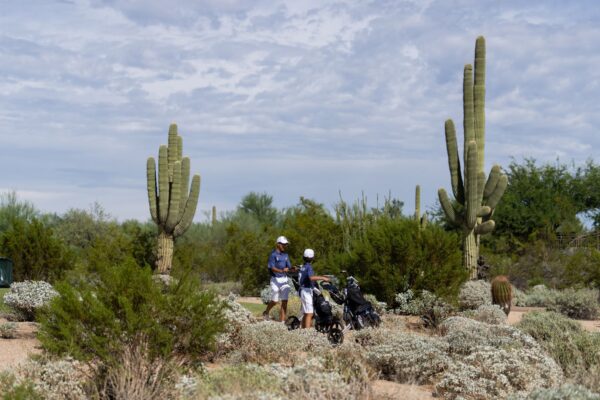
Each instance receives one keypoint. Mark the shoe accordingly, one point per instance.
(266, 316)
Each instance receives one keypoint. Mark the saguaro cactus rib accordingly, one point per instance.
(172, 206)
(475, 195)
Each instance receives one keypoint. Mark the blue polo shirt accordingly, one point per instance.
(306, 271)
(279, 261)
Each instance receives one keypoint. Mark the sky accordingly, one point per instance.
(291, 98)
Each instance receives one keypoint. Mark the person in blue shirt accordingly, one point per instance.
(279, 264)
(306, 280)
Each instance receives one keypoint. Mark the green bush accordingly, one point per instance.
(573, 349)
(95, 315)
(10, 389)
(394, 254)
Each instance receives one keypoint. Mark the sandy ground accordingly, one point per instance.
(15, 351)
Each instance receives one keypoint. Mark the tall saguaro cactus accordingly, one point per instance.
(475, 197)
(172, 205)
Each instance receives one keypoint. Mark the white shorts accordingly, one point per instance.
(306, 297)
(280, 289)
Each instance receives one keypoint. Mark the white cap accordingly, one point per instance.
(309, 253)
(282, 240)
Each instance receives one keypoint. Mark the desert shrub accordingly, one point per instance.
(223, 288)
(94, 316)
(465, 335)
(573, 349)
(565, 392)
(61, 379)
(293, 308)
(394, 254)
(271, 342)
(519, 297)
(138, 376)
(474, 294)
(36, 252)
(539, 296)
(235, 381)
(576, 303)
(432, 309)
(404, 357)
(236, 316)
(12, 389)
(8, 330)
(489, 372)
(28, 297)
(379, 306)
(489, 313)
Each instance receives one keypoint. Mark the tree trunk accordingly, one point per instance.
(164, 257)
(470, 253)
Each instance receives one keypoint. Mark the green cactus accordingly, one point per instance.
(502, 293)
(475, 197)
(421, 219)
(172, 205)
(214, 215)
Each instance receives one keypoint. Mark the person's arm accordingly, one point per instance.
(275, 269)
(319, 278)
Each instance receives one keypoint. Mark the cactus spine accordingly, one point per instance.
(172, 205)
(502, 293)
(475, 197)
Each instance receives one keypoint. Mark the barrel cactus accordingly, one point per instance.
(172, 204)
(502, 293)
(475, 197)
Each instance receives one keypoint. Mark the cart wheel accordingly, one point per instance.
(292, 323)
(335, 336)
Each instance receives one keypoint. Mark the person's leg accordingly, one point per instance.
(307, 320)
(283, 310)
(274, 298)
(284, 292)
(307, 307)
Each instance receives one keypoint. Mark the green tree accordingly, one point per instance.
(37, 254)
(13, 209)
(539, 200)
(259, 205)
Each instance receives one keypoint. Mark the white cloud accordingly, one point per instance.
(342, 94)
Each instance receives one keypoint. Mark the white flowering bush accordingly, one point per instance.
(474, 294)
(489, 313)
(237, 316)
(29, 296)
(565, 392)
(55, 379)
(432, 309)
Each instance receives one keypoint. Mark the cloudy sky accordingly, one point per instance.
(293, 98)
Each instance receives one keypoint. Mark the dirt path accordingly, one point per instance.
(516, 314)
(384, 390)
(15, 351)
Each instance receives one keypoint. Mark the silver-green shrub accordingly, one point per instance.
(538, 296)
(29, 296)
(565, 392)
(576, 303)
(237, 316)
(489, 313)
(8, 330)
(62, 379)
(432, 309)
(492, 373)
(380, 307)
(404, 357)
(271, 342)
(474, 294)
